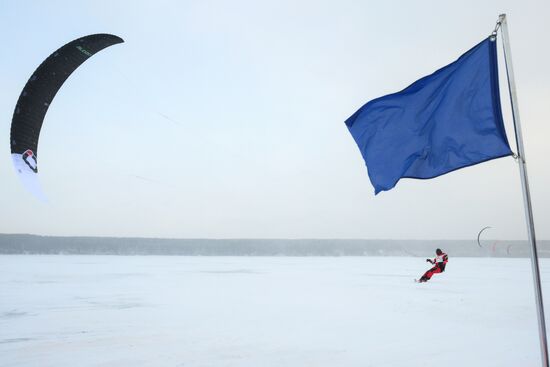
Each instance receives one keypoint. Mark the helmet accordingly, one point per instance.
(438, 251)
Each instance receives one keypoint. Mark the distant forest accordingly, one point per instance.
(31, 244)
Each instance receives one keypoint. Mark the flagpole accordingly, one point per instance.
(525, 187)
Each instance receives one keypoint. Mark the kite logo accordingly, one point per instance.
(30, 160)
(85, 52)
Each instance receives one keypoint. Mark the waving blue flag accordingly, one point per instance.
(445, 121)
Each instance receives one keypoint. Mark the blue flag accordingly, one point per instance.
(445, 121)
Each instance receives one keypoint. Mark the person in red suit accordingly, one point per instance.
(439, 263)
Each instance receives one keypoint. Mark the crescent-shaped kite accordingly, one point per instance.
(479, 234)
(36, 97)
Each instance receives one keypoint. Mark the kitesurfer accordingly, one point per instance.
(439, 262)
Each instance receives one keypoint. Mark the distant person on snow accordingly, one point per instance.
(439, 263)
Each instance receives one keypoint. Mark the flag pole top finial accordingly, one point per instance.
(501, 19)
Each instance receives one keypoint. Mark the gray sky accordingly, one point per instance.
(224, 119)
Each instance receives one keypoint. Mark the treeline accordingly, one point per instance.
(49, 245)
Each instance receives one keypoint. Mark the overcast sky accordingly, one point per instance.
(225, 119)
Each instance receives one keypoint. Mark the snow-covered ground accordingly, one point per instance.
(266, 311)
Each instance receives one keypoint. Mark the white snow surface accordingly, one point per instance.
(266, 311)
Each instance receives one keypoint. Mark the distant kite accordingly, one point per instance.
(479, 234)
(37, 96)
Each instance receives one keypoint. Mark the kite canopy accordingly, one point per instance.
(479, 234)
(36, 97)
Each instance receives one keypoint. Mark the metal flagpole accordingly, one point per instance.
(525, 187)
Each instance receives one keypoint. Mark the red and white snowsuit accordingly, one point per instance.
(439, 263)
